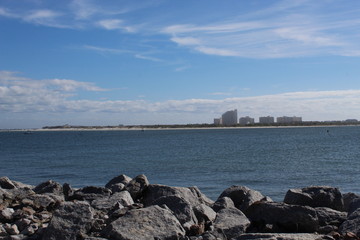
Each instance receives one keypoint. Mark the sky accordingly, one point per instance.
(93, 62)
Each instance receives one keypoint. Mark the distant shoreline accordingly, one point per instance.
(171, 127)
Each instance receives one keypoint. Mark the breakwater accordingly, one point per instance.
(132, 208)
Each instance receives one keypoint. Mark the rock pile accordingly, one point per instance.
(134, 209)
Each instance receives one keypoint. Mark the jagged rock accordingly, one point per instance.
(6, 183)
(30, 230)
(23, 223)
(137, 185)
(3, 232)
(68, 191)
(281, 236)
(353, 205)
(242, 196)
(231, 222)
(348, 198)
(182, 210)
(11, 229)
(49, 186)
(90, 193)
(108, 202)
(123, 179)
(329, 219)
(40, 202)
(223, 202)
(69, 221)
(202, 197)
(204, 213)
(152, 222)
(283, 217)
(18, 194)
(316, 196)
(352, 224)
(155, 191)
(117, 187)
(6, 214)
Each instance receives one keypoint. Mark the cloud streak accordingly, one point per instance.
(280, 31)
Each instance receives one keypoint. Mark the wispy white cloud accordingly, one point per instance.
(284, 29)
(19, 94)
(113, 24)
(135, 54)
(144, 57)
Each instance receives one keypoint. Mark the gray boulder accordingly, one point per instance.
(6, 183)
(137, 186)
(348, 198)
(316, 196)
(204, 213)
(351, 202)
(282, 236)
(70, 221)
(329, 219)
(123, 179)
(231, 222)
(181, 209)
(90, 193)
(152, 222)
(242, 196)
(40, 202)
(49, 187)
(202, 197)
(155, 191)
(108, 202)
(223, 202)
(282, 217)
(352, 224)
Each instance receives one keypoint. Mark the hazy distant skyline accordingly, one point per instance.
(88, 62)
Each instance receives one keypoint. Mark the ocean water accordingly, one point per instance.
(270, 160)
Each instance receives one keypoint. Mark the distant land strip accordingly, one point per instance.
(205, 125)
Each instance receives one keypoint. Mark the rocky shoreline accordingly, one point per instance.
(133, 209)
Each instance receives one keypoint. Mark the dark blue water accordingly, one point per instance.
(270, 160)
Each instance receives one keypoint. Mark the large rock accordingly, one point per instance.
(348, 198)
(155, 191)
(6, 183)
(108, 202)
(49, 187)
(90, 193)
(352, 224)
(223, 202)
(202, 197)
(231, 222)
(329, 219)
(282, 217)
(182, 210)
(316, 196)
(137, 186)
(152, 222)
(204, 213)
(242, 196)
(281, 236)
(70, 221)
(40, 202)
(123, 179)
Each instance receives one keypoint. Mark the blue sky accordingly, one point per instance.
(87, 62)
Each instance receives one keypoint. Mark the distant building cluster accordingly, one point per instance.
(230, 118)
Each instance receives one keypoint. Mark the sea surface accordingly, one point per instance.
(270, 160)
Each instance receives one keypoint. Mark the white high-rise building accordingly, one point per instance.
(229, 118)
